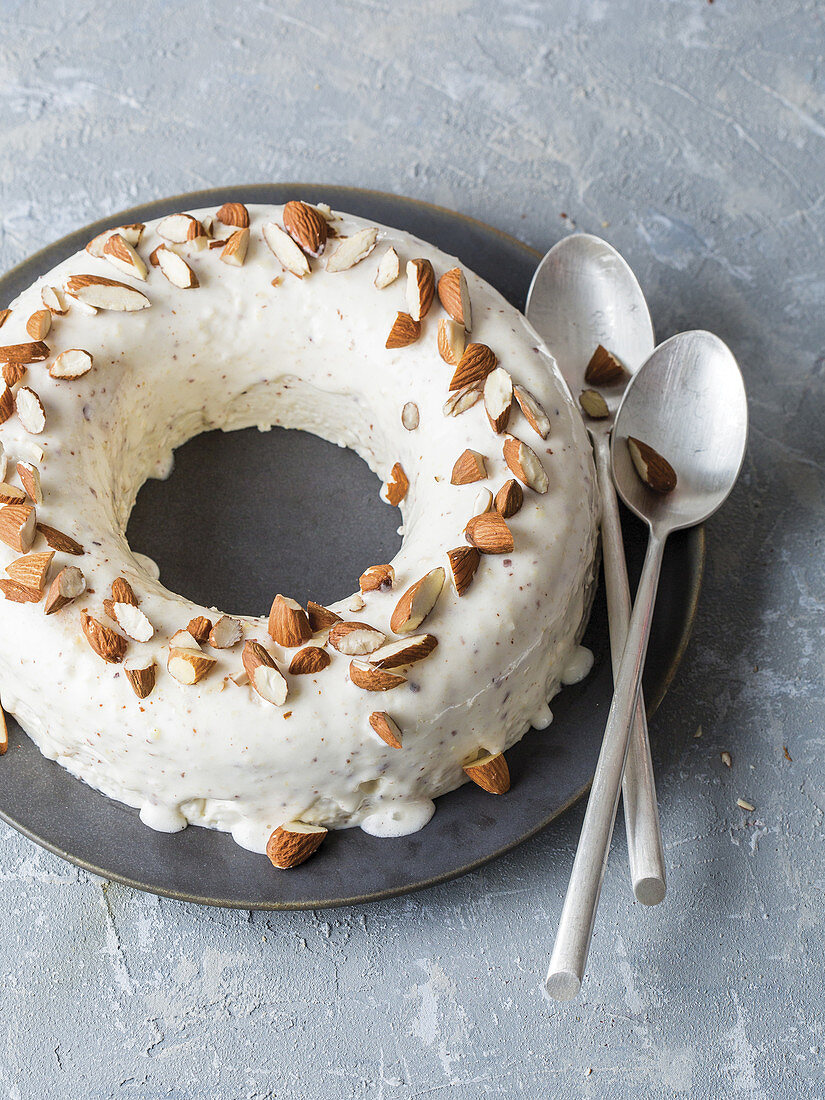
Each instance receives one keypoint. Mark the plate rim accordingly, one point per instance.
(211, 196)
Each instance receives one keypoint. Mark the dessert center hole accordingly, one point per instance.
(247, 514)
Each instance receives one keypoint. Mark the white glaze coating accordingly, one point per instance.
(306, 354)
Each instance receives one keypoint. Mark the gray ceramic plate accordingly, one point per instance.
(550, 769)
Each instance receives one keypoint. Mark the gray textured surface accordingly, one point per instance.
(693, 137)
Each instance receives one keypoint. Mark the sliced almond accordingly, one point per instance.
(30, 411)
(235, 249)
(130, 233)
(54, 300)
(200, 628)
(593, 404)
(141, 672)
(377, 578)
(306, 226)
(180, 228)
(66, 586)
(286, 250)
(264, 675)
(451, 341)
(404, 331)
(11, 494)
(188, 666)
(490, 772)
(175, 268)
(31, 570)
(58, 540)
(410, 417)
(386, 728)
(19, 593)
(94, 290)
(122, 592)
(509, 499)
(355, 639)
(369, 678)
(459, 402)
(106, 643)
(309, 660)
(35, 352)
(525, 464)
(407, 651)
(226, 633)
(122, 255)
(133, 622)
(490, 534)
(320, 617)
(352, 250)
(233, 213)
(395, 489)
(293, 843)
(417, 602)
(476, 362)
(38, 324)
(604, 368)
(71, 363)
(532, 410)
(13, 373)
(288, 623)
(17, 526)
(388, 269)
(455, 297)
(463, 565)
(469, 467)
(654, 470)
(420, 288)
(498, 398)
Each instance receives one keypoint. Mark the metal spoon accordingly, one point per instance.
(688, 403)
(584, 294)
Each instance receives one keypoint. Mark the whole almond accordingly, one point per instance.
(309, 660)
(38, 324)
(490, 534)
(291, 844)
(490, 772)
(233, 213)
(288, 623)
(306, 227)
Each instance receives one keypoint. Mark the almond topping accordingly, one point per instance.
(306, 227)
(30, 410)
(377, 578)
(188, 666)
(122, 255)
(13, 373)
(509, 499)
(355, 639)
(455, 297)
(353, 249)
(386, 728)
(286, 250)
(235, 249)
(404, 331)
(54, 300)
(57, 540)
(525, 464)
(369, 678)
(122, 592)
(11, 494)
(463, 565)
(200, 627)
(388, 269)
(410, 417)
(469, 467)
(38, 324)
(20, 354)
(460, 402)
(130, 233)
(132, 621)
(31, 570)
(233, 213)
(19, 593)
(490, 772)
(405, 652)
(293, 843)
(533, 413)
(604, 368)
(72, 363)
(264, 675)
(417, 602)
(498, 398)
(476, 362)
(420, 288)
(66, 586)
(309, 660)
(175, 268)
(106, 643)
(226, 633)
(4, 316)
(593, 404)
(451, 341)
(490, 534)
(141, 672)
(397, 485)
(94, 290)
(320, 617)
(180, 228)
(17, 526)
(6, 402)
(288, 623)
(654, 470)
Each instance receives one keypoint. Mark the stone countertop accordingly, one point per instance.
(692, 136)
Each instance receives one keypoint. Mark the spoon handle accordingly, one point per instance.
(641, 811)
(579, 912)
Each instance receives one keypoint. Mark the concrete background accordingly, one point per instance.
(692, 136)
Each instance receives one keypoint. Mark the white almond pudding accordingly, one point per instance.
(276, 730)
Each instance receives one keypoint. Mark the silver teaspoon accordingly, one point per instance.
(687, 403)
(584, 294)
